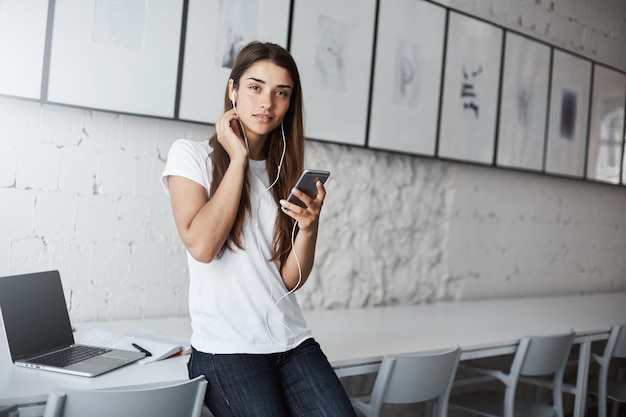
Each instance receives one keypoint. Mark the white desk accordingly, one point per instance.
(24, 386)
(356, 339)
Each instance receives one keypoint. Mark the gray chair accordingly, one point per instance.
(535, 356)
(412, 378)
(177, 399)
(603, 386)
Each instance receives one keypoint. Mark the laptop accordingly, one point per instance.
(39, 333)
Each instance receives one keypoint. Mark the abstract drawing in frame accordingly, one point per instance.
(407, 76)
(216, 32)
(116, 55)
(332, 44)
(568, 114)
(523, 104)
(22, 44)
(470, 96)
(606, 132)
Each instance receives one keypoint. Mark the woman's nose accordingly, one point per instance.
(265, 100)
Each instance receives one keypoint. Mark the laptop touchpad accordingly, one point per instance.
(105, 360)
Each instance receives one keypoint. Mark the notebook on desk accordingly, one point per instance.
(39, 333)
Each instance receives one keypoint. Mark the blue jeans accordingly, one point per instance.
(296, 383)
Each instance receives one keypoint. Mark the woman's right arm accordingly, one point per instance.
(204, 223)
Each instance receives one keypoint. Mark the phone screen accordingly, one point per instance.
(306, 184)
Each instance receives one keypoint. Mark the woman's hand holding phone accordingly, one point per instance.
(304, 203)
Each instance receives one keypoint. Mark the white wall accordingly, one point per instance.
(79, 192)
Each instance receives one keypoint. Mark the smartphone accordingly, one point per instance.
(306, 184)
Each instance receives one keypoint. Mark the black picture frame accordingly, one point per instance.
(23, 27)
(215, 32)
(470, 94)
(407, 76)
(523, 103)
(568, 115)
(120, 57)
(606, 126)
(333, 46)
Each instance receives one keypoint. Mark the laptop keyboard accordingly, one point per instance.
(70, 356)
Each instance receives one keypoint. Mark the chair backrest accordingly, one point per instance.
(542, 355)
(616, 345)
(177, 399)
(615, 348)
(605, 387)
(414, 378)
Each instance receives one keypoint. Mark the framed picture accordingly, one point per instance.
(116, 55)
(606, 131)
(523, 103)
(407, 76)
(216, 32)
(23, 26)
(569, 109)
(624, 161)
(332, 44)
(470, 92)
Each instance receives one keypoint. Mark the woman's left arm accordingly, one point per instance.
(299, 263)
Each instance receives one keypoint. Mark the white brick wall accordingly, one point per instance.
(79, 192)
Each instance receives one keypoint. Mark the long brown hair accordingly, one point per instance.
(293, 163)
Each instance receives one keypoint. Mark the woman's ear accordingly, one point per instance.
(232, 92)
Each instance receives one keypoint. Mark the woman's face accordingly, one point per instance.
(263, 98)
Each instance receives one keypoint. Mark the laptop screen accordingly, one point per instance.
(34, 312)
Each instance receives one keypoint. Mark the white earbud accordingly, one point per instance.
(232, 100)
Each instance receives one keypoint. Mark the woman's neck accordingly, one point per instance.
(257, 149)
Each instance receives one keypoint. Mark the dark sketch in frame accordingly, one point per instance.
(22, 43)
(523, 103)
(118, 56)
(606, 130)
(216, 32)
(407, 76)
(470, 96)
(333, 47)
(568, 115)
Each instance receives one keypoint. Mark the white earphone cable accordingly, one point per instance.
(293, 233)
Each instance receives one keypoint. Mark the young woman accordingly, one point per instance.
(248, 248)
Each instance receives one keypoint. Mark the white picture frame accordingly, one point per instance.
(568, 115)
(116, 55)
(406, 90)
(470, 93)
(606, 129)
(332, 43)
(23, 28)
(523, 103)
(216, 31)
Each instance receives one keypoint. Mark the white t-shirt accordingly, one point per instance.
(233, 300)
